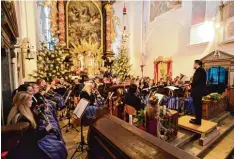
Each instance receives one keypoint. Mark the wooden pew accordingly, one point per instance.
(110, 137)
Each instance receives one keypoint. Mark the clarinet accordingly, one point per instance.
(98, 95)
(40, 111)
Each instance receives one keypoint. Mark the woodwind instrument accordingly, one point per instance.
(97, 94)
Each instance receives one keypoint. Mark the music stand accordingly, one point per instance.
(68, 99)
(79, 112)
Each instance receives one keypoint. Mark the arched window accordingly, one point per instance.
(44, 32)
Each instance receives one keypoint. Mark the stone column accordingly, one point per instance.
(109, 11)
(61, 20)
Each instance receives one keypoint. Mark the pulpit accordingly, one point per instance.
(230, 97)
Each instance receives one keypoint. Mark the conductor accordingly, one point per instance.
(198, 91)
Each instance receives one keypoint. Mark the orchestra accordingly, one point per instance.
(112, 92)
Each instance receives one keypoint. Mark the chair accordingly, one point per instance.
(130, 111)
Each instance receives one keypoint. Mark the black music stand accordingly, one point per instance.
(69, 125)
(79, 111)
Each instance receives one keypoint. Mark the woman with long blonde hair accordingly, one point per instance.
(87, 94)
(22, 102)
(27, 147)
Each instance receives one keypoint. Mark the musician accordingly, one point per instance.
(53, 143)
(198, 90)
(151, 113)
(131, 99)
(77, 87)
(151, 83)
(25, 88)
(87, 94)
(176, 81)
(98, 98)
(161, 82)
(41, 83)
(27, 147)
(97, 81)
(104, 88)
(108, 73)
(143, 87)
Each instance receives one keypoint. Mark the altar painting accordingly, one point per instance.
(84, 34)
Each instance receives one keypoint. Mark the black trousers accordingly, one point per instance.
(197, 103)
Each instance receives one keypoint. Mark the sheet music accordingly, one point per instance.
(80, 108)
(159, 96)
(172, 88)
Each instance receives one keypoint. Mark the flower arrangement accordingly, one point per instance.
(138, 120)
(212, 96)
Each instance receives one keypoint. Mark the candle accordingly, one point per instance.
(130, 119)
(164, 109)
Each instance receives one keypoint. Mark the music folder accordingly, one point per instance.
(80, 108)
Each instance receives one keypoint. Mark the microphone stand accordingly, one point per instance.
(69, 125)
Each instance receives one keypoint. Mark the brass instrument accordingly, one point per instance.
(47, 91)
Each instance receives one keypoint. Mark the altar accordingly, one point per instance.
(86, 22)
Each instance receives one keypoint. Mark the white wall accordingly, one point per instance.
(168, 36)
(27, 25)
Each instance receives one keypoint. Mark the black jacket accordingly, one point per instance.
(199, 82)
(134, 101)
(27, 147)
(90, 98)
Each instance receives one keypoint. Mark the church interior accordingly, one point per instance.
(117, 79)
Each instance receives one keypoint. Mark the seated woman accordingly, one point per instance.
(27, 147)
(151, 114)
(87, 94)
(53, 143)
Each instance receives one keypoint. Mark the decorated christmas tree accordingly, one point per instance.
(54, 63)
(121, 66)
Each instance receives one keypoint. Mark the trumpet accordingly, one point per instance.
(47, 91)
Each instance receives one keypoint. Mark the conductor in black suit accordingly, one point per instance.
(198, 91)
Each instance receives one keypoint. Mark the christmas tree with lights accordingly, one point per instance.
(121, 66)
(53, 64)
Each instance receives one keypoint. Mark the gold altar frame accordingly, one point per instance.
(100, 11)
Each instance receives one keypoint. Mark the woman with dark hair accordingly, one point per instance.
(131, 98)
(23, 88)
